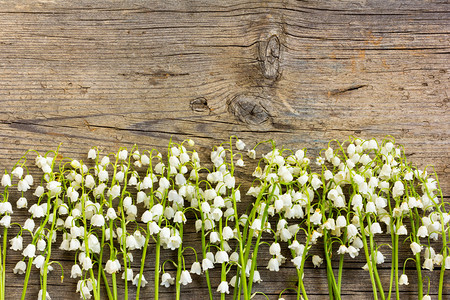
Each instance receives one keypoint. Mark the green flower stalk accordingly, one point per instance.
(146, 159)
(57, 202)
(161, 193)
(6, 183)
(54, 189)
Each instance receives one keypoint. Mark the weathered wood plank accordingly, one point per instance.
(301, 72)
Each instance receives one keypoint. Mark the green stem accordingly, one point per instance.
(105, 280)
(333, 289)
(49, 252)
(444, 241)
(237, 285)
(2, 287)
(249, 283)
(223, 277)
(157, 258)
(419, 277)
(144, 253)
(27, 277)
(208, 281)
(418, 263)
(341, 268)
(374, 259)
(301, 287)
(369, 261)
(330, 285)
(179, 266)
(91, 273)
(300, 274)
(241, 270)
(3, 264)
(305, 251)
(100, 267)
(395, 262)
(377, 277)
(125, 257)
(248, 232)
(441, 275)
(223, 273)
(112, 257)
(30, 260)
(255, 248)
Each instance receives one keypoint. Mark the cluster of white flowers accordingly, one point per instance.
(114, 204)
(363, 189)
(383, 190)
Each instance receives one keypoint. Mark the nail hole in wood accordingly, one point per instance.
(199, 105)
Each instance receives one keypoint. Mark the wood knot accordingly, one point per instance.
(199, 105)
(269, 55)
(249, 109)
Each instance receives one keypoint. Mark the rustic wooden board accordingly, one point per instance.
(116, 73)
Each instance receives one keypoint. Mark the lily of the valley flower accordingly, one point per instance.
(167, 280)
(185, 277)
(223, 287)
(112, 266)
(20, 267)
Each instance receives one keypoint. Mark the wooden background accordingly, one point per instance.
(115, 73)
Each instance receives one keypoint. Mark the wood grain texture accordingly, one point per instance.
(115, 73)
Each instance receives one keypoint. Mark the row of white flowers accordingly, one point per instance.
(106, 207)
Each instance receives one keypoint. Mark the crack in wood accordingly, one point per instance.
(347, 89)
(157, 74)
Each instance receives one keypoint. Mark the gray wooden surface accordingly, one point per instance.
(115, 73)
